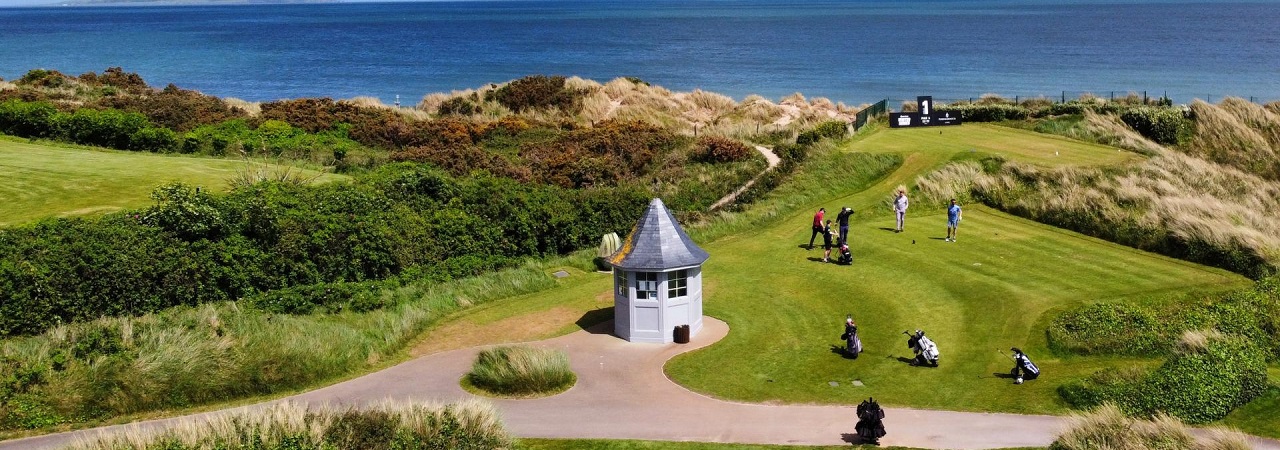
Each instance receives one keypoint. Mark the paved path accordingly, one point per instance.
(622, 393)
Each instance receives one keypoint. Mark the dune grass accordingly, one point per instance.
(38, 181)
(464, 425)
(521, 371)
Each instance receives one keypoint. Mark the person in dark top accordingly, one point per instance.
(842, 220)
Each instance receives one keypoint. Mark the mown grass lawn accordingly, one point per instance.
(38, 181)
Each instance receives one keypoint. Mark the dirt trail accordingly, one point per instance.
(773, 162)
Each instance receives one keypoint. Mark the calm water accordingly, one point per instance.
(851, 51)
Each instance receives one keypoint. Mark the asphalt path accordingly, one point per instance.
(622, 393)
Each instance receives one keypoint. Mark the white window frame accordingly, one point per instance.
(646, 284)
(678, 284)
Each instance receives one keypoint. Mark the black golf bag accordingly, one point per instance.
(870, 425)
(852, 344)
(846, 256)
(926, 351)
(1023, 367)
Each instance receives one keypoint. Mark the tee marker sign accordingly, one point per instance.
(925, 116)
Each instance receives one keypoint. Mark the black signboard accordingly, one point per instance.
(925, 116)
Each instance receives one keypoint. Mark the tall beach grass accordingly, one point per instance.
(469, 424)
(1107, 428)
(521, 370)
(188, 356)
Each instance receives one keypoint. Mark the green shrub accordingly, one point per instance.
(521, 370)
(1166, 126)
(28, 119)
(538, 92)
(992, 112)
(1204, 384)
(1210, 375)
(831, 129)
(153, 139)
(1108, 328)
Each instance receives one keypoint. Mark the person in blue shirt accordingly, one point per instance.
(953, 220)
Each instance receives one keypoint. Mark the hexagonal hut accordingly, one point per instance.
(657, 280)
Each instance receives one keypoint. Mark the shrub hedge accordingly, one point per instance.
(1112, 328)
(993, 112)
(1166, 126)
(193, 247)
(1198, 385)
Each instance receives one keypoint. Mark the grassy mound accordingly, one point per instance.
(521, 371)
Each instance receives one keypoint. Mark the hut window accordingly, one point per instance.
(678, 284)
(620, 280)
(646, 285)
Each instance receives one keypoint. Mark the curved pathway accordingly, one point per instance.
(622, 393)
(773, 162)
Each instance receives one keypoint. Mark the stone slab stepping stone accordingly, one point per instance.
(857, 383)
(560, 274)
(833, 383)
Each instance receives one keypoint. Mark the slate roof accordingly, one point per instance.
(657, 243)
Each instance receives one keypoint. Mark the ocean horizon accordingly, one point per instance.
(850, 52)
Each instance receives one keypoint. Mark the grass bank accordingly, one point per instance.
(39, 181)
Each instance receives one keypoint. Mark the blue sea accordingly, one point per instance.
(848, 51)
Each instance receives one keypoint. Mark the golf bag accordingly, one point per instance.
(852, 344)
(1023, 367)
(846, 256)
(926, 351)
(870, 425)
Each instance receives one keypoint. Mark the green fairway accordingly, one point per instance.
(40, 181)
(992, 290)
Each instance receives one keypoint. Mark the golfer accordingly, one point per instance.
(953, 220)
(817, 225)
(900, 207)
(842, 220)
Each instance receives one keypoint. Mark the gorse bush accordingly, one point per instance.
(538, 92)
(1209, 376)
(521, 370)
(717, 149)
(467, 425)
